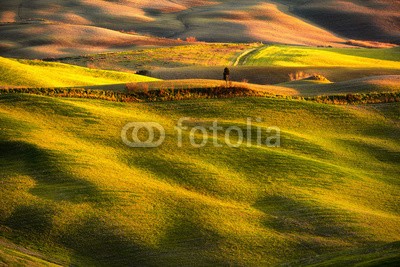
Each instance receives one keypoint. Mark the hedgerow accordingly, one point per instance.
(171, 94)
(368, 98)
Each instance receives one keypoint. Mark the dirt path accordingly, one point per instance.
(243, 57)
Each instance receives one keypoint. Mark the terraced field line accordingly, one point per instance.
(245, 53)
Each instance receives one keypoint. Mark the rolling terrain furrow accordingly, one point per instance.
(90, 194)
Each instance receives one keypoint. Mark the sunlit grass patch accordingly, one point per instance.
(74, 191)
(291, 56)
(32, 73)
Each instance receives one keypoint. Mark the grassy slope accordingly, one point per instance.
(43, 74)
(47, 40)
(39, 29)
(265, 65)
(10, 257)
(226, 54)
(165, 57)
(381, 255)
(233, 21)
(244, 21)
(388, 83)
(363, 20)
(72, 190)
(270, 75)
(287, 56)
(295, 88)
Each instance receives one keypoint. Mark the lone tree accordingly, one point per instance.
(226, 75)
(19, 11)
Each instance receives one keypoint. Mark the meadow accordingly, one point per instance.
(196, 54)
(73, 73)
(73, 194)
(254, 63)
(290, 56)
(254, 54)
(36, 73)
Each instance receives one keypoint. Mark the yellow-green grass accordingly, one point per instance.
(272, 65)
(227, 54)
(202, 54)
(292, 56)
(34, 73)
(377, 255)
(72, 190)
(11, 257)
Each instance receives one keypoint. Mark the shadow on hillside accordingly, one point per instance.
(52, 181)
(290, 216)
(34, 219)
(389, 131)
(93, 236)
(374, 24)
(184, 243)
(188, 234)
(387, 172)
(106, 244)
(184, 174)
(379, 153)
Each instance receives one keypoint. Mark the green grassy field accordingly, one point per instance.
(227, 54)
(31, 73)
(201, 54)
(291, 56)
(20, 257)
(265, 64)
(74, 193)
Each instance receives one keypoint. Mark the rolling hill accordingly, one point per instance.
(261, 64)
(389, 83)
(313, 181)
(12, 255)
(31, 73)
(49, 40)
(46, 28)
(193, 55)
(352, 70)
(327, 194)
(372, 20)
(287, 56)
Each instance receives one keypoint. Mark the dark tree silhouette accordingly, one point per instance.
(19, 11)
(226, 75)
